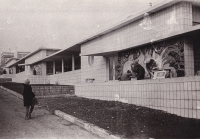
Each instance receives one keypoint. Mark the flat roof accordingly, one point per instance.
(132, 18)
(188, 31)
(136, 16)
(32, 53)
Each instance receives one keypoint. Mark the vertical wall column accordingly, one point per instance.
(189, 56)
(14, 70)
(54, 67)
(73, 63)
(44, 68)
(62, 65)
(7, 70)
(27, 70)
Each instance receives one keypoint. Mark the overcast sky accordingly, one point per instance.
(26, 25)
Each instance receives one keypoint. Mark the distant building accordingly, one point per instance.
(24, 66)
(6, 56)
(21, 54)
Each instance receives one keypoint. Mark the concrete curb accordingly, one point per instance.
(12, 92)
(89, 127)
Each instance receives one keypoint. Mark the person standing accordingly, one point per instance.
(34, 71)
(139, 70)
(28, 96)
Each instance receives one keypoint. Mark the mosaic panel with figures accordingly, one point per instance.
(167, 55)
(38, 68)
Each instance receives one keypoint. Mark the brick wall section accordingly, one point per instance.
(180, 96)
(52, 90)
(3, 80)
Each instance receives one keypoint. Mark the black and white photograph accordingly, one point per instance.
(99, 69)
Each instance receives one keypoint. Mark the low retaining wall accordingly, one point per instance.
(34, 79)
(52, 90)
(180, 96)
(66, 78)
(3, 80)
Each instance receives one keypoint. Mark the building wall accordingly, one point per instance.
(66, 78)
(189, 56)
(21, 54)
(145, 30)
(11, 62)
(96, 71)
(5, 56)
(37, 56)
(20, 77)
(49, 52)
(180, 96)
(34, 79)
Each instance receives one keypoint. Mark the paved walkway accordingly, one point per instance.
(42, 125)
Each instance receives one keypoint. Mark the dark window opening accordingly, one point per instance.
(77, 64)
(49, 68)
(68, 64)
(58, 67)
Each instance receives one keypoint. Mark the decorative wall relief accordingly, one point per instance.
(168, 55)
(38, 69)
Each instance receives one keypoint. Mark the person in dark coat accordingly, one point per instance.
(34, 71)
(150, 66)
(4, 71)
(28, 96)
(139, 70)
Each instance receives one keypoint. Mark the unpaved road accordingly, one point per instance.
(42, 125)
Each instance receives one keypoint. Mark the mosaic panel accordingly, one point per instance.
(167, 55)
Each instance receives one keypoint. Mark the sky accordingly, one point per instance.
(26, 25)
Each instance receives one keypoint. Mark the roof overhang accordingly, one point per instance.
(130, 19)
(23, 64)
(22, 60)
(136, 16)
(192, 31)
(62, 54)
(17, 63)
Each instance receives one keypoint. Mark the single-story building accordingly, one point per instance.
(23, 69)
(163, 39)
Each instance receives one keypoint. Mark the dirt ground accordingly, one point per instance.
(42, 125)
(126, 120)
